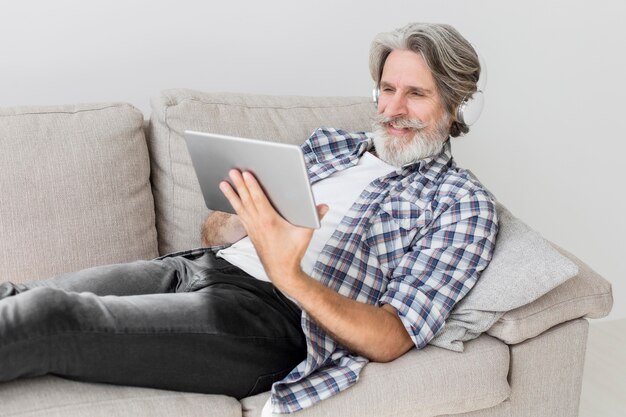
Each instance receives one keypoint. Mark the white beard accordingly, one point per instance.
(399, 151)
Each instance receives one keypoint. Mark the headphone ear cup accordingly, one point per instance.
(375, 94)
(470, 108)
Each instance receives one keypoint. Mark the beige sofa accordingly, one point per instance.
(88, 184)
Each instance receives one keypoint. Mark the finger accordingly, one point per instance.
(241, 188)
(322, 209)
(256, 192)
(231, 196)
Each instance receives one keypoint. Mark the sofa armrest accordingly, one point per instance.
(585, 295)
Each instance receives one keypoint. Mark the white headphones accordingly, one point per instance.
(471, 106)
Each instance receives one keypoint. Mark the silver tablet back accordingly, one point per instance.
(279, 168)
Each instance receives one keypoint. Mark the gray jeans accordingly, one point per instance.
(184, 322)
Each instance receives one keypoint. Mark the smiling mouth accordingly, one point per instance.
(399, 131)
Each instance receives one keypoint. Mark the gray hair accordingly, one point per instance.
(450, 57)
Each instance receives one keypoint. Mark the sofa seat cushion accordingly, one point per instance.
(55, 397)
(421, 383)
(76, 191)
(179, 204)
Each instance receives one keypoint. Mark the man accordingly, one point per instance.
(405, 234)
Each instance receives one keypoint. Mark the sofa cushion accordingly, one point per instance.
(75, 189)
(523, 268)
(585, 295)
(55, 397)
(429, 382)
(179, 204)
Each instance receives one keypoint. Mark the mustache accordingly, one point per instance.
(399, 122)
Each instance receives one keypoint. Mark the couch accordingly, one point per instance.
(89, 184)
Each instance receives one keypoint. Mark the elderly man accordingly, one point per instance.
(405, 234)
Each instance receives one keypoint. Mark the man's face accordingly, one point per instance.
(411, 122)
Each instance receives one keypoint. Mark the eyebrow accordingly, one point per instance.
(411, 89)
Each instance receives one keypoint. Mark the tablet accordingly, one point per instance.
(278, 167)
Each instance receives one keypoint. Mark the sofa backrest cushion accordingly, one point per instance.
(74, 189)
(180, 207)
(524, 267)
(585, 295)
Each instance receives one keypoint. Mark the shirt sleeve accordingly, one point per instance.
(443, 266)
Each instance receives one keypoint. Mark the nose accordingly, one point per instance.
(394, 106)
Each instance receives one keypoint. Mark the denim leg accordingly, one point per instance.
(170, 273)
(232, 335)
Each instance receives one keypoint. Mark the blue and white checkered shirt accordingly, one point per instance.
(416, 238)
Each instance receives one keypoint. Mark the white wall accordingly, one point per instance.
(550, 143)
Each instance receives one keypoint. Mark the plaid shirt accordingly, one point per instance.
(416, 238)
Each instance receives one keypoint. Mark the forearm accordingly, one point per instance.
(373, 332)
(221, 229)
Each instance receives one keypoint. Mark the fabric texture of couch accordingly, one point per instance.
(85, 185)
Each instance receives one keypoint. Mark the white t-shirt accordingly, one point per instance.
(339, 191)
